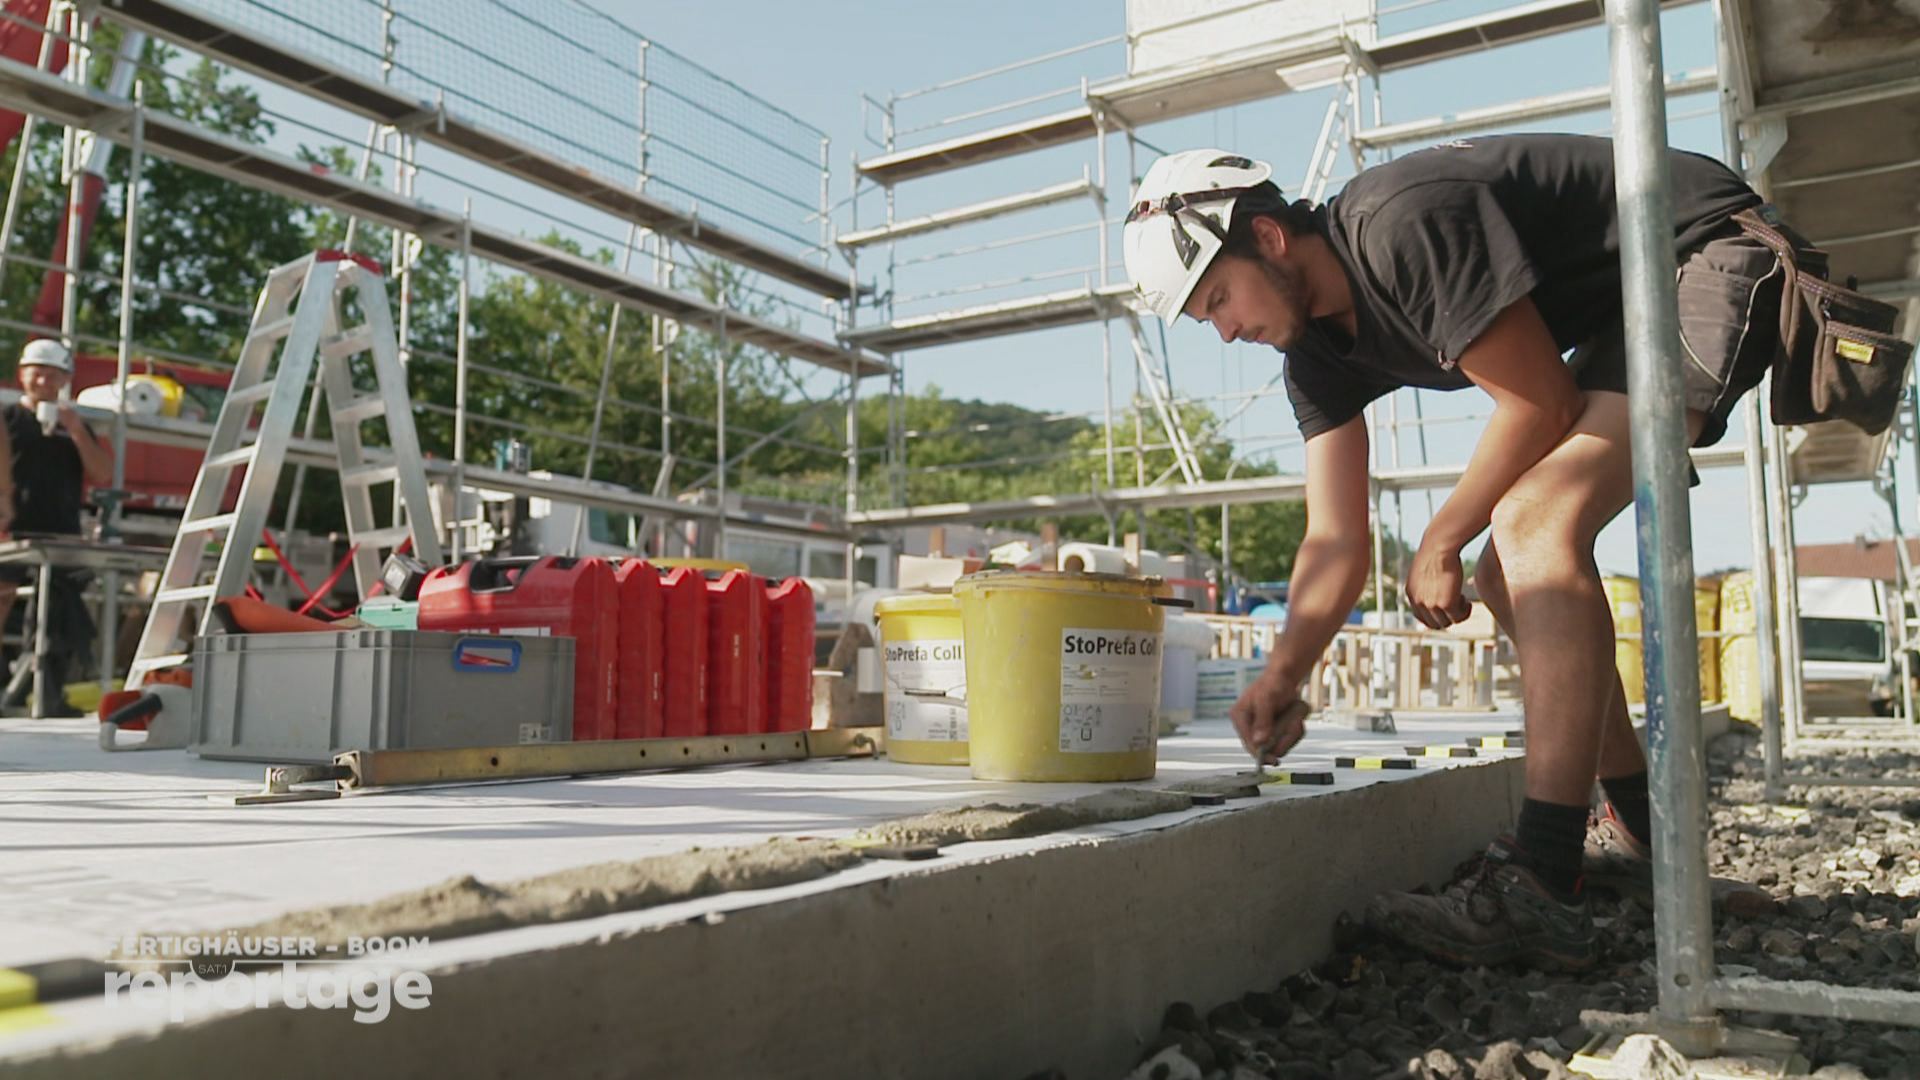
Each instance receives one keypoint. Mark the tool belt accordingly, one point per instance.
(1838, 357)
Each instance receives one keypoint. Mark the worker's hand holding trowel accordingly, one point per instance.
(1270, 717)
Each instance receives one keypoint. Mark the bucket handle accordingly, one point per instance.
(487, 575)
(957, 693)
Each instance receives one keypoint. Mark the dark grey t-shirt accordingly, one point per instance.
(1436, 244)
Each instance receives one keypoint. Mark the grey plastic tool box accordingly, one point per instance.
(302, 698)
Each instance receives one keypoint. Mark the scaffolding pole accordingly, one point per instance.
(377, 135)
(665, 334)
(1766, 632)
(460, 383)
(73, 161)
(600, 399)
(123, 372)
(1106, 325)
(129, 255)
(1786, 613)
(74, 165)
(720, 433)
(1677, 761)
(634, 237)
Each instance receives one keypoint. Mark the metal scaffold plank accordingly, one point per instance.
(1546, 107)
(1054, 129)
(1262, 71)
(24, 88)
(1478, 33)
(972, 212)
(365, 97)
(1174, 496)
(1236, 78)
(319, 453)
(992, 320)
(1252, 489)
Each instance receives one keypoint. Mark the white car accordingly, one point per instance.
(1846, 646)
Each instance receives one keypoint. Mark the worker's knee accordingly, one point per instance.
(1490, 582)
(1539, 537)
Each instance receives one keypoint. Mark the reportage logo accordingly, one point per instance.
(190, 976)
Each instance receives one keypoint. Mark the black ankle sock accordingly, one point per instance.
(1631, 803)
(1552, 837)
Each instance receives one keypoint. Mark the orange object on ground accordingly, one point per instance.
(641, 710)
(789, 661)
(684, 659)
(737, 651)
(249, 616)
(111, 701)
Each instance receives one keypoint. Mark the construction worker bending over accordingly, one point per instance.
(1478, 263)
(50, 457)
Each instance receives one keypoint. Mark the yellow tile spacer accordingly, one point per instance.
(1442, 751)
(1298, 778)
(1372, 763)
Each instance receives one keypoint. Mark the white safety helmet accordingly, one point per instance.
(1165, 256)
(46, 352)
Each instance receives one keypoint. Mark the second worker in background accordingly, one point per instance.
(47, 460)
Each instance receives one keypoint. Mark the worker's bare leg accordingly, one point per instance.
(1543, 534)
(1620, 753)
(1539, 577)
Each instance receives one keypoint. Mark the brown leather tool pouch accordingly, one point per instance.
(1839, 358)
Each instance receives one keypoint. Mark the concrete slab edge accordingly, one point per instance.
(1063, 957)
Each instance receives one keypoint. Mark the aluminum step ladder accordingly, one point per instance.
(300, 317)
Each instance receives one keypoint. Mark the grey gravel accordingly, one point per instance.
(1834, 896)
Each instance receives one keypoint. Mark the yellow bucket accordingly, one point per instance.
(1063, 674)
(1706, 615)
(1739, 656)
(923, 653)
(1623, 597)
(85, 696)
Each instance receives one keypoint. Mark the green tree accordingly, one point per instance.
(204, 240)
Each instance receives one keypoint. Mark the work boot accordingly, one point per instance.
(1496, 911)
(1616, 861)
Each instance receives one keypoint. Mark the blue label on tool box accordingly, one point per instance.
(487, 654)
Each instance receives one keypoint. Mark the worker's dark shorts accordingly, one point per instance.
(1729, 325)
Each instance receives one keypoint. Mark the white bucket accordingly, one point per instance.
(1188, 641)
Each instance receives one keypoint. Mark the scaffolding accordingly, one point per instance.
(1183, 61)
(596, 117)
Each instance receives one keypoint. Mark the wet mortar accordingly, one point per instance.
(465, 905)
(1840, 868)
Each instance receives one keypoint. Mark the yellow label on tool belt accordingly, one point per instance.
(1857, 351)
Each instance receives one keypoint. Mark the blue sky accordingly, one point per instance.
(816, 60)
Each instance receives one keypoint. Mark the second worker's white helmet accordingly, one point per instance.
(1178, 222)
(46, 352)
